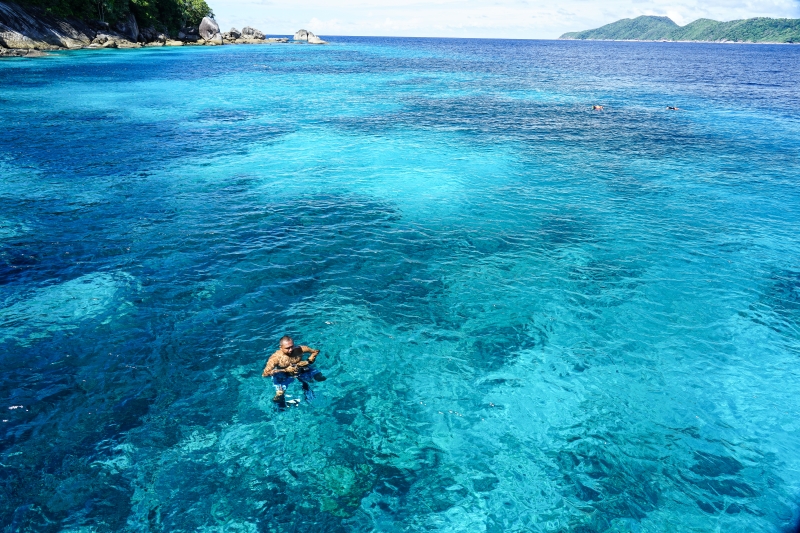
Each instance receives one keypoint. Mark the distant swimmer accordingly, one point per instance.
(597, 108)
(286, 364)
(673, 108)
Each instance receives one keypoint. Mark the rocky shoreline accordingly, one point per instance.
(30, 32)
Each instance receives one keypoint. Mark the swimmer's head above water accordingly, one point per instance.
(286, 345)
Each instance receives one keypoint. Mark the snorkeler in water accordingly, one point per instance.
(286, 364)
(673, 108)
(597, 107)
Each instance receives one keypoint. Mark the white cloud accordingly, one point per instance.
(523, 19)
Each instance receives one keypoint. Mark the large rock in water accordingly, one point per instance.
(32, 28)
(128, 28)
(231, 35)
(307, 36)
(208, 28)
(251, 33)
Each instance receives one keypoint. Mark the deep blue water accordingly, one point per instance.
(534, 317)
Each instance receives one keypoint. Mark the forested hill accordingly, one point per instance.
(755, 30)
(163, 15)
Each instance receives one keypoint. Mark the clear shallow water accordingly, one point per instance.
(534, 317)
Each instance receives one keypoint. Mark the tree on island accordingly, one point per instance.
(164, 15)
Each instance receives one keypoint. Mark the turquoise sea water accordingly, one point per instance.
(534, 317)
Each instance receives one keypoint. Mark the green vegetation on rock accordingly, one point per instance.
(164, 15)
(645, 28)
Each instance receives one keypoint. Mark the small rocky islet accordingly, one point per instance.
(28, 32)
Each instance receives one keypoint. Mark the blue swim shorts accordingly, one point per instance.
(281, 380)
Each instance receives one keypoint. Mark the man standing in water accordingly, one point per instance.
(286, 364)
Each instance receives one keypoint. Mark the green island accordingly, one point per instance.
(31, 28)
(649, 28)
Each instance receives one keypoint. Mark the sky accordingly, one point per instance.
(515, 19)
